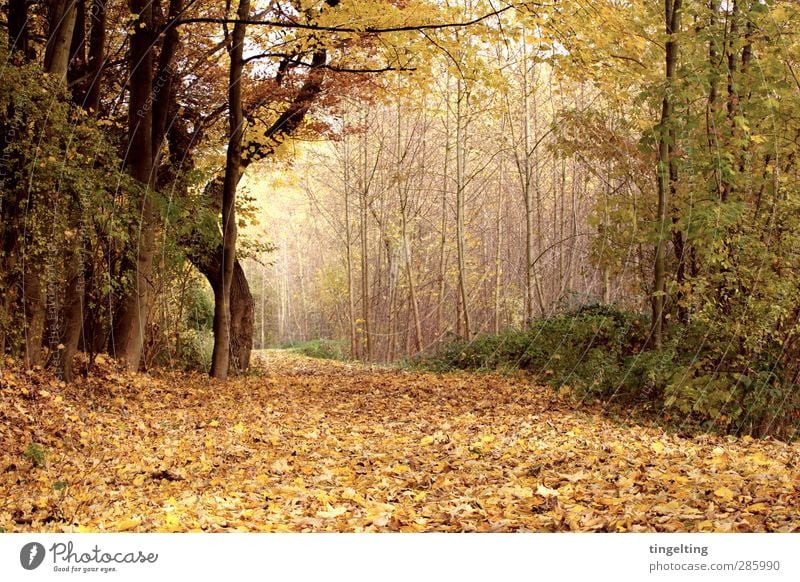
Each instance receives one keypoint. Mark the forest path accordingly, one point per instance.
(315, 445)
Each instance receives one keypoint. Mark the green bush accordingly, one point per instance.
(196, 347)
(600, 353)
(756, 404)
(200, 309)
(563, 347)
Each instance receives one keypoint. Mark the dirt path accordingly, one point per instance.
(311, 445)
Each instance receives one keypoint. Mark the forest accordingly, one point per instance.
(399, 265)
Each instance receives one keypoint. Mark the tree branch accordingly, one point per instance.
(316, 27)
(294, 62)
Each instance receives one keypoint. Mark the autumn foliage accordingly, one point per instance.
(313, 445)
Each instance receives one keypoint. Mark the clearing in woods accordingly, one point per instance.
(312, 445)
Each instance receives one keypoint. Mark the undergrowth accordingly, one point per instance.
(600, 353)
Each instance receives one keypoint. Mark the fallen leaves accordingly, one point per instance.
(725, 494)
(309, 445)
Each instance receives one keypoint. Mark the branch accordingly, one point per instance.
(316, 27)
(294, 62)
(632, 59)
(290, 119)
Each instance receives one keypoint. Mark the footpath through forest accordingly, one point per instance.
(313, 445)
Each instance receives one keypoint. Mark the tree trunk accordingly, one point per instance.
(208, 260)
(351, 308)
(18, 33)
(35, 315)
(672, 11)
(365, 249)
(129, 329)
(442, 266)
(73, 308)
(62, 24)
(77, 55)
(462, 98)
(222, 291)
(97, 41)
(402, 192)
(498, 240)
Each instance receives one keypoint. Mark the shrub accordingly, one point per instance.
(756, 404)
(599, 352)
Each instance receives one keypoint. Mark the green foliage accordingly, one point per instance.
(756, 404)
(181, 335)
(199, 309)
(325, 349)
(35, 453)
(556, 347)
(733, 204)
(194, 349)
(196, 341)
(62, 191)
(599, 353)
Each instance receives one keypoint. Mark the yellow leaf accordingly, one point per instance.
(546, 491)
(330, 511)
(575, 477)
(724, 493)
(213, 423)
(397, 469)
(172, 522)
(705, 526)
(657, 447)
(279, 467)
(352, 495)
(524, 492)
(426, 440)
(126, 524)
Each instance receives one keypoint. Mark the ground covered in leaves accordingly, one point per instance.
(311, 445)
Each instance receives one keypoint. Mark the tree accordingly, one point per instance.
(222, 316)
(666, 172)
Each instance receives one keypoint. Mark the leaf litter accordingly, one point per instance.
(308, 445)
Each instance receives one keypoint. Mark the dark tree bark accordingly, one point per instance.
(74, 298)
(163, 92)
(76, 72)
(220, 361)
(18, 32)
(62, 17)
(83, 73)
(664, 170)
(151, 101)
(97, 42)
(129, 332)
(242, 306)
